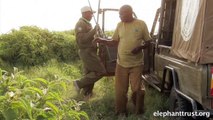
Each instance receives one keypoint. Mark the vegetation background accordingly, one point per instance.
(38, 67)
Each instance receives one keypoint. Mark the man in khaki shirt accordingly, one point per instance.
(93, 68)
(130, 36)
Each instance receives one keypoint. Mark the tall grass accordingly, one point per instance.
(101, 105)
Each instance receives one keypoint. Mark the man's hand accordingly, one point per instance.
(137, 49)
(108, 42)
(99, 40)
(97, 27)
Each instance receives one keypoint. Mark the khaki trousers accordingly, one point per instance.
(124, 77)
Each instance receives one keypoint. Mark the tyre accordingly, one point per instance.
(179, 104)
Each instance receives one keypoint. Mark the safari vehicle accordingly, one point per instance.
(180, 58)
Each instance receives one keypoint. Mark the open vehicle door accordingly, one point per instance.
(107, 54)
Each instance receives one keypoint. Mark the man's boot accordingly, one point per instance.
(134, 96)
(139, 108)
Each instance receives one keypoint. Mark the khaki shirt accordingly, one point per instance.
(130, 35)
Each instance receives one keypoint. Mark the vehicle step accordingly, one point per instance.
(153, 81)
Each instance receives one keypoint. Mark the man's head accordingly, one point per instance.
(87, 12)
(126, 13)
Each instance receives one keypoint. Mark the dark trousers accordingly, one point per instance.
(93, 69)
(88, 81)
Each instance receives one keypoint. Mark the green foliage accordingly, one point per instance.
(63, 46)
(23, 98)
(52, 83)
(31, 45)
(109, 33)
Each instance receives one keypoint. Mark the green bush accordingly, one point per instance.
(63, 46)
(31, 45)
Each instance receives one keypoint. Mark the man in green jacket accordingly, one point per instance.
(93, 68)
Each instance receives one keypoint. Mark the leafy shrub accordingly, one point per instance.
(31, 45)
(23, 98)
(63, 46)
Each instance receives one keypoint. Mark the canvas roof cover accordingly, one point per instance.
(193, 31)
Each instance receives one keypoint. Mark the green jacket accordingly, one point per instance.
(84, 34)
(87, 50)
